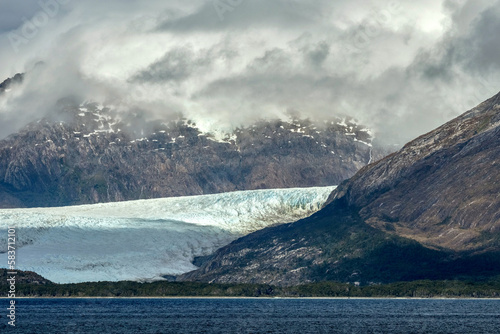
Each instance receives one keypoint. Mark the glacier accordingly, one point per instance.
(145, 240)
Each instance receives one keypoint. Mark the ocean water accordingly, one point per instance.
(142, 316)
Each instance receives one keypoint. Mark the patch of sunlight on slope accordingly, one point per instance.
(143, 240)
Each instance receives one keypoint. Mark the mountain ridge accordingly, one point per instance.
(469, 144)
(91, 154)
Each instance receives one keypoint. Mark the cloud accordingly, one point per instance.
(401, 67)
(481, 47)
(222, 15)
(12, 14)
(181, 63)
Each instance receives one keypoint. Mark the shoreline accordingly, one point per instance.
(270, 298)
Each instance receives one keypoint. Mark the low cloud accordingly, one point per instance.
(401, 68)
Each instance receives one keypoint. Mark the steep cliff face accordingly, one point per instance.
(89, 154)
(429, 211)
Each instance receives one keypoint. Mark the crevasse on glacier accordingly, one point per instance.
(143, 240)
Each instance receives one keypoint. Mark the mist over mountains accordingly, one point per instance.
(400, 68)
(89, 153)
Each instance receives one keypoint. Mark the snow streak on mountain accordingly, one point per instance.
(145, 239)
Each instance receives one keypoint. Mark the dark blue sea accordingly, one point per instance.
(142, 316)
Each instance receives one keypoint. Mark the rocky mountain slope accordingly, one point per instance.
(429, 211)
(442, 189)
(335, 244)
(89, 154)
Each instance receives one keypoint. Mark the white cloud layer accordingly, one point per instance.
(401, 67)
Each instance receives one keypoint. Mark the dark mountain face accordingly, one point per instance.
(8, 83)
(88, 154)
(429, 211)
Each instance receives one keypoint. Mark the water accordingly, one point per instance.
(142, 316)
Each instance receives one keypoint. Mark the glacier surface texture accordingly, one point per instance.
(147, 239)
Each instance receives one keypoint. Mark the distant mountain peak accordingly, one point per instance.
(8, 83)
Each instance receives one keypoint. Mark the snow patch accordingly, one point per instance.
(342, 123)
(362, 142)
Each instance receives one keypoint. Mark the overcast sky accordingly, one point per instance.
(401, 67)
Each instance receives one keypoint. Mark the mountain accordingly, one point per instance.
(22, 277)
(145, 239)
(88, 153)
(429, 211)
(7, 84)
(442, 189)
